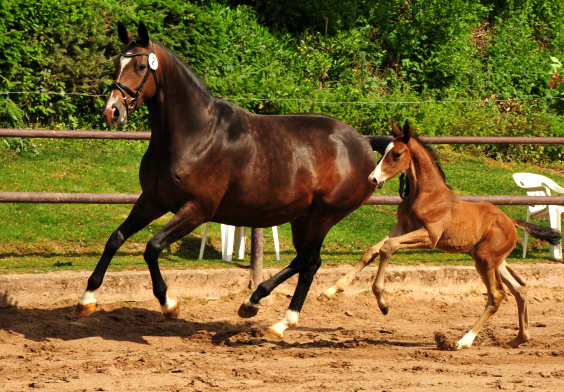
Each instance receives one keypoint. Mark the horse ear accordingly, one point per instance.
(124, 35)
(143, 34)
(406, 133)
(395, 130)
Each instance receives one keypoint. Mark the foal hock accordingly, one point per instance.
(432, 216)
(211, 160)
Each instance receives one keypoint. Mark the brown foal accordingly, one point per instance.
(432, 216)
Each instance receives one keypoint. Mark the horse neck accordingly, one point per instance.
(423, 174)
(182, 104)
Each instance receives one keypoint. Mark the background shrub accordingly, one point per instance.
(380, 60)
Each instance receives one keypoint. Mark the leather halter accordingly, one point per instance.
(135, 95)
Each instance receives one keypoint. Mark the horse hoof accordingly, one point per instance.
(385, 310)
(246, 311)
(272, 333)
(85, 310)
(323, 297)
(172, 314)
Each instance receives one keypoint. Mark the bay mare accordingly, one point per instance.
(432, 216)
(210, 160)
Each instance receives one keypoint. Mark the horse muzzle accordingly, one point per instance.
(378, 184)
(115, 114)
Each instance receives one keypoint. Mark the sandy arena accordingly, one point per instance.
(342, 345)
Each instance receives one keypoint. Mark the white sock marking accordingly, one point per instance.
(290, 319)
(87, 298)
(466, 341)
(169, 305)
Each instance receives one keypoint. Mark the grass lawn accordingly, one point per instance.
(54, 237)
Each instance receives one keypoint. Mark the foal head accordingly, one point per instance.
(396, 159)
(133, 85)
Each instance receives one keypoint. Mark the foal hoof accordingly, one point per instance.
(246, 311)
(85, 310)
(323, 297)
(273, 333)
(385, 310)
(172, 313)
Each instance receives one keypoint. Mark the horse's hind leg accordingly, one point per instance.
(491, 277)
(518, 287)
(250, 307)
(143, 212)
(290, 318)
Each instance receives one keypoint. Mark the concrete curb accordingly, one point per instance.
(53, 288)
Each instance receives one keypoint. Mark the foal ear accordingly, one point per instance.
(395, 130)
(124, 35)
(406, 133)
(143, 34)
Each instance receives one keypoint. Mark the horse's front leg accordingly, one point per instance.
(368, 257)
(185, 221)
(418, 239)
(143, 212)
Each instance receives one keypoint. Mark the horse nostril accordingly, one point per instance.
(115, 116)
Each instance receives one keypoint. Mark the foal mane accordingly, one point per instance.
(404, 188)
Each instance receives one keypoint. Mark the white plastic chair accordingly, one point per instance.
(231, 235)
(537, 185)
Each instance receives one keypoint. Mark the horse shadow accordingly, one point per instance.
(132, 324)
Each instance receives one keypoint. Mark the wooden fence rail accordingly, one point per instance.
(257, 238)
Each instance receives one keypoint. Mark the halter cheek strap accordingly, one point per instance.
(135, 95)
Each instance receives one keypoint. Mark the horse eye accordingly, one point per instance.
(396, 155)
(142, 67)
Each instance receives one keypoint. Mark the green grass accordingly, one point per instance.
(56, 237)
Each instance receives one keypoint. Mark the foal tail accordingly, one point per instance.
(544, 233)
(379, 143)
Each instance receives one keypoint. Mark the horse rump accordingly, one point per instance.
(543, 233)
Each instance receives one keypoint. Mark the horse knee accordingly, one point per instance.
(152, 251)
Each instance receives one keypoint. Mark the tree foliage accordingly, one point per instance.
(375, 51)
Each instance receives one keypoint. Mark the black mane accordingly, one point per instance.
(404, 188)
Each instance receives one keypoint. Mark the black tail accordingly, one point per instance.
(379, 143)
(548, 234)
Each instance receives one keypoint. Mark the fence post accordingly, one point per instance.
(257, 238)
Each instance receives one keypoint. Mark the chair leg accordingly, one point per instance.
(276, 244)
(227, 234)
(526, 236)
(204, 237)
(555, 222)
(240, 238)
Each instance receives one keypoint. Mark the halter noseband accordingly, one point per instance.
(135, 95)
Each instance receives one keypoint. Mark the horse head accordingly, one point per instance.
(396, 159)
(132, 86)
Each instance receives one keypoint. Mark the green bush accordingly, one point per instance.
(381, 60)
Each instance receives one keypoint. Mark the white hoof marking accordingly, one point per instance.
(87, 298)
(290, 320)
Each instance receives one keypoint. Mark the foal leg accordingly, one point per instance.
(186, 219)
(418, 239)
(143, 212)
(492, 279)
(518, 288)
(368, 257)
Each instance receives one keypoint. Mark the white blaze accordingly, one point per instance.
(377, 173)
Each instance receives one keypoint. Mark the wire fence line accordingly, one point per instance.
(486, 100)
